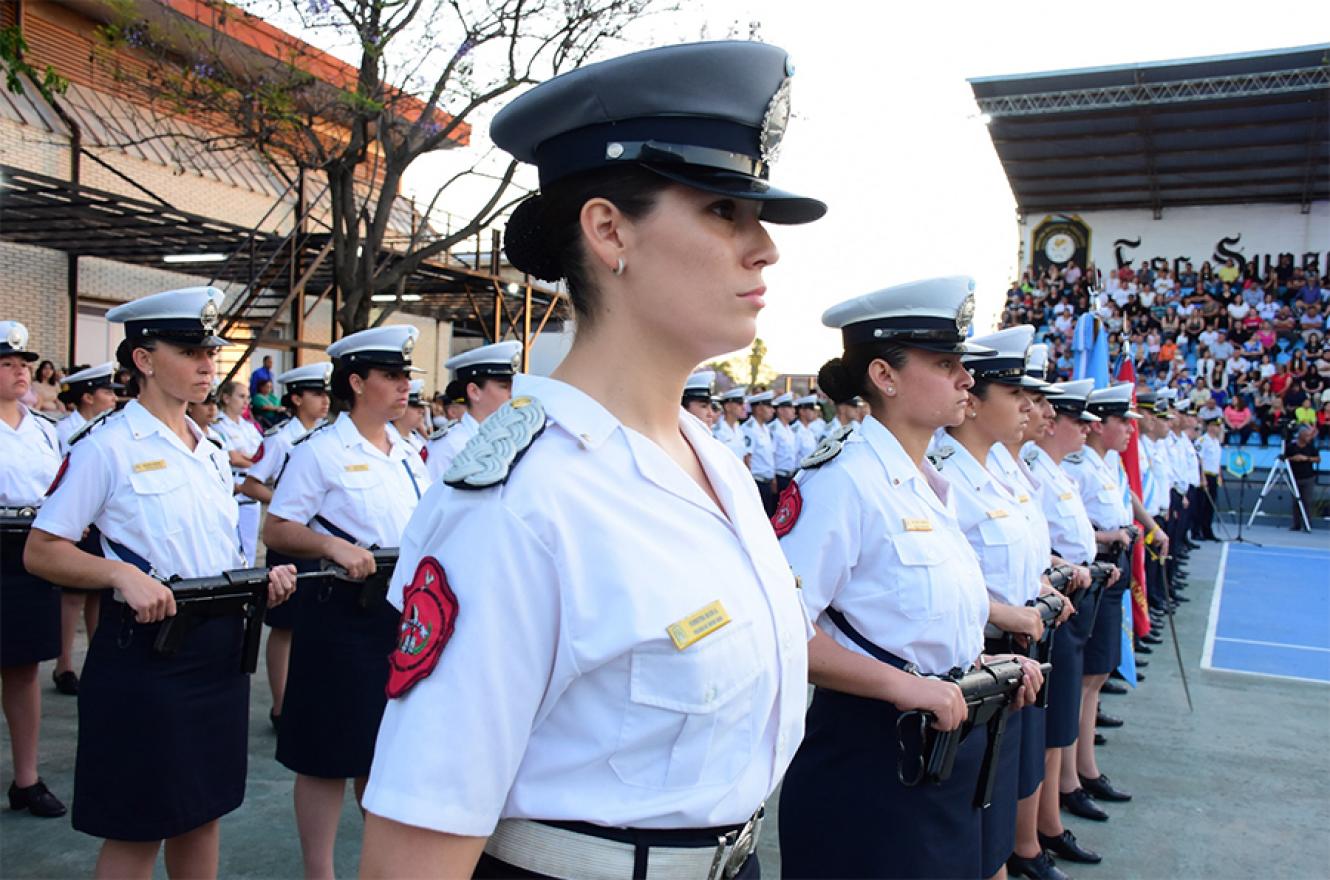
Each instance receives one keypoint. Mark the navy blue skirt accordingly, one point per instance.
(284, 616)
(1063, 715)
(335, 684)
(1103, 652)
(844, 812)
(29, 608)
(1032, 750)
(999, 817)
(162, 741)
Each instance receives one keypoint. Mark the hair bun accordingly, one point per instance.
(526, 241)
(836, 382)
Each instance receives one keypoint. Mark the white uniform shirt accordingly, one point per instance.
(1070, 531)
(819, 428)
(238, 436)
(732, 437)
(66, 427)
(31, 456)
(1193, 459)
(1099, 483)
(1153, 457)
(443, 450)
(998, 526)
(762, 451)
(337, 474)
(1211, 452)
(1018, 477)
(784, 448)
(805, 440)
(277, 443)
(134, 479)
(560, 694)
(1178, 461)
(878, 539)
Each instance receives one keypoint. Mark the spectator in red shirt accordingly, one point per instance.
(1238, 418)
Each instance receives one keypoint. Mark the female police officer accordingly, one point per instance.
(243, 441)
(29, 606)
(162, 741)
(1004, 526)
(610, 709)
(347, 487)
(870, 529)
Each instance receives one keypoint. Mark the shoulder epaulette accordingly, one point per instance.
(1030, 456)
(938, 454)
(42, 415)
(439, 433)
(1074, 457)
(275, 428)
(488, 458)
(91, 426)
(829, 448)
(215, 441)
(310, 433)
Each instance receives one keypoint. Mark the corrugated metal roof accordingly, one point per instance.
(1221, 130)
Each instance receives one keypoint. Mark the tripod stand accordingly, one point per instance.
(1240, 466)
(1282, 471)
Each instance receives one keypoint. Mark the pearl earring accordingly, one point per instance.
(891, 391)
(619, 267)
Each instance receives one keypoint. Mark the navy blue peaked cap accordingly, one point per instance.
(707, 115)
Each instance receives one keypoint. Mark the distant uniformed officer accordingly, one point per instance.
(784, 445)
(761, 448)
(163, 742)
(697, 392)
(242, 440)
(485, 379)
(305, 397)
(347, 488)
(809, 427)
(870, 529)
(729, 428)
(604, 706)
(29, 606)
(412, 424)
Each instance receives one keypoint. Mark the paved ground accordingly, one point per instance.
(1236, 789)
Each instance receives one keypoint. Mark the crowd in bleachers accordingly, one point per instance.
(1246, 346)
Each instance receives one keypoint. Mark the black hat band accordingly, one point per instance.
(904, 330)
(390, 360)
(483, 371)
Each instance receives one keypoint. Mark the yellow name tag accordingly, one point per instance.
(917, 525)
(698, 625)
(1110, 485)
(1023, 498)
(997, 514)
(1065, 496)
(356, 468)
(143, 467)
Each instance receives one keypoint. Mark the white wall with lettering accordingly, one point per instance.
(1200, 233)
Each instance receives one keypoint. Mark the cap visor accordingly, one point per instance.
(1034, 384)
(945, 347)
(778, 206)
(1131, 414)
(1090, 417)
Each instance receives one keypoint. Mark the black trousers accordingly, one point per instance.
(1204, 526)
(769, 497)
(1305, 489)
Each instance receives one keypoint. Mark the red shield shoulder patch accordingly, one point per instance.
(258, 456)
(429, 614)
(59, 476)
(788, 508)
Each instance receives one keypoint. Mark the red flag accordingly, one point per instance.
(1131, 462)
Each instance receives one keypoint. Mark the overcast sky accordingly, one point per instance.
(886, 130)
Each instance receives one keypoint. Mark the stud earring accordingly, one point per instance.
(619, 267)
(891, 391)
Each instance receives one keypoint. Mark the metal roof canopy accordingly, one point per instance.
(1228, 129)
(48, 212)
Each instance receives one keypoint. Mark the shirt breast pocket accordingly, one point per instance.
(689, 718)
(919, 587)
(160, 496)
(364, 490)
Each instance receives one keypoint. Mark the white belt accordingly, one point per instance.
(558, 852)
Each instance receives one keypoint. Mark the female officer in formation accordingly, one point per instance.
(1072, 538)
(485, 376)
(411, 424)
(1102, 484)
(1003, 524)
(29, 606)
(603, 707)
(870, 529)
(305, 397)
(697, 395)
(243, 442)
(809, 428)
(729, 429)
(162, 741)
(91, 392)
(346, 488)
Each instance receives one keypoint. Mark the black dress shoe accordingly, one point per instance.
(1100, 739)
(1065, 846)
(66, 682)
(275, 720)
(1151, 639)
(1141, 664)
(1079, 803)
(1112, 687)
(1143, 649)
(1103, 720)
(1040, 867)
(1178, 597)
(1103, 790)
(36, 799)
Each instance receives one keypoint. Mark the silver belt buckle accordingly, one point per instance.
(733, 849)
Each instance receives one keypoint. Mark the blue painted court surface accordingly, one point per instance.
(1270, 614)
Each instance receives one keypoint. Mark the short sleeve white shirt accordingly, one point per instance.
(1070, 532)
(763, 453)
(337, 474)
(31, 453)
(276, 447)
(879, 540)
(442, 450)
(66, 428)
(732, 437)
(784, 448)
(561, 695)
(1100, 486)
(145, 490)
(238, 436)
(1016, 475)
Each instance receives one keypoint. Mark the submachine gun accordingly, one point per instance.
(373, 589)
(988, 690)
(17, 520)
(242, 591)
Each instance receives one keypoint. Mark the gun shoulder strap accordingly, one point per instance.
(864, 642)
